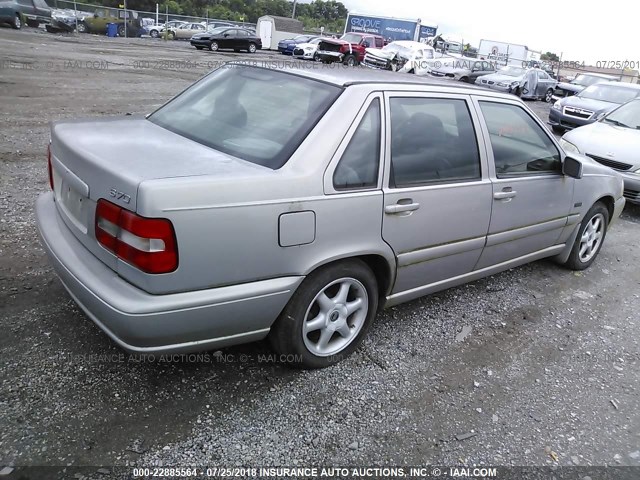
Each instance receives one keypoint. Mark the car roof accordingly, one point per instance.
(411, 43)
(631, 86)
(344, 76)
(601, 75)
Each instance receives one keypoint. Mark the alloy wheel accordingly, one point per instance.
(591, 238)
(547, 97)
(335, 317)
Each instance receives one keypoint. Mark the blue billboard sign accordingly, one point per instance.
(426, 32)
(389, 28)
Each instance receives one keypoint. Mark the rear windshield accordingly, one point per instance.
(512, 71)
(609, 93)
(256, 114)
(586, 80)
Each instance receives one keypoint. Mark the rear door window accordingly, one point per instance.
(433, 140)
(359, 165)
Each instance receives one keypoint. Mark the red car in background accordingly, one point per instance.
(349, 49)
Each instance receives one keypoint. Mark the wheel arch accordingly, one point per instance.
(382, 265)
(608, 202)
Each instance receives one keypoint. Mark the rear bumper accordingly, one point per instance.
(143, 323)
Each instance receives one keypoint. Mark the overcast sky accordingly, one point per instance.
(578, 30)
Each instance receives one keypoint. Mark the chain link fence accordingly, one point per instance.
(157, 17)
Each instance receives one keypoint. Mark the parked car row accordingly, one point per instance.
(185, 30)
(421, 59)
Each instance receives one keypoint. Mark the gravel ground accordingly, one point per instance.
(535, 366)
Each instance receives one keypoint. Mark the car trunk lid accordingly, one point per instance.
(110, 158)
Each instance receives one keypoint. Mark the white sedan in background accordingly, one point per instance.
(307, 51)
(402, 56)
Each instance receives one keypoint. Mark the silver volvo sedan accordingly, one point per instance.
(294, 204)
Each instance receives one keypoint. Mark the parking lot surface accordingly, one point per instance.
(535, 366)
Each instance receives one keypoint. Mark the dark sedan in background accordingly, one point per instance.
(590, 104)
(582, 81)
(227, 38)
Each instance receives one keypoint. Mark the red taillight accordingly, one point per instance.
(49, 167)
(146, 243)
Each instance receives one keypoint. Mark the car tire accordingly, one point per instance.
(82, 27)
(17, 22)
(121, 31)
(517, 92)
(213, 46)
(548, 95)
(252, 48)
(350, 60)
(327, 317)
(557, 129)
(464, 79)
(591, 235)
(316, 58)
(33, 23)
(154, 34)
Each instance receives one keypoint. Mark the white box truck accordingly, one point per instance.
(504, 53)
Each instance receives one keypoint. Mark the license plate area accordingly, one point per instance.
(72, 196)
(74, 205)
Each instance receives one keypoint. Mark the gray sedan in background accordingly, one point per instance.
(528, 83)
(208, 223)
(613, 141)
(464, 70)
(590, 104)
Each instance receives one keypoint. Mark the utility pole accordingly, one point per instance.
(293, 15)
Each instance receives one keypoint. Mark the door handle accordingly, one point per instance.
(504, 195)
(401, 208)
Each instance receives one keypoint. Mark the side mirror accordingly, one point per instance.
(572, 167)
